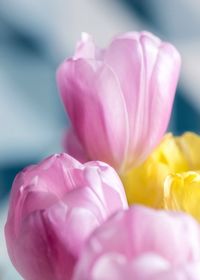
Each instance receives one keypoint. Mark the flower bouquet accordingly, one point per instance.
(122, 201)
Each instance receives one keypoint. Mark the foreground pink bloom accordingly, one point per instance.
(142, 244)
(54, 206)
(118, 99)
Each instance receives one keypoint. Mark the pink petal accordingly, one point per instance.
(95, 104)
(142, 244)
(39, 253)
(148, 72)
(86, 48)
(73, 146)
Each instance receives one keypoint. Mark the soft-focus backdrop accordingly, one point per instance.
(35, 36)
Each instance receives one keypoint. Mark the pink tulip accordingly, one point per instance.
(142, 244)
(118, 99)
(54, 206)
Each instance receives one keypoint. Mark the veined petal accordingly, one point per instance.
(148, 71)
(113, 190)
(95, 104)
(39, 252)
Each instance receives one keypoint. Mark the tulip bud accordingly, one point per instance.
(142, 244)
(118, 99)
(54, 206)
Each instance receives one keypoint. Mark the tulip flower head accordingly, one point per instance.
(54, 207)
(118, 99)
(174, 155)
(142, 244)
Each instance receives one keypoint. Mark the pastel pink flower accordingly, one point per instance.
(118, 99)
(54, 206)
(142, 244)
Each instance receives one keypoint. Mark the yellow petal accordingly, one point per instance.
(144, 184)
(189, 144)
(170, 154)
(182, 193)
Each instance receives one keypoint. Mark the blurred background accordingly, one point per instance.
(36, 35)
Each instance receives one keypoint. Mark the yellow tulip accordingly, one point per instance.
(145, 184)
